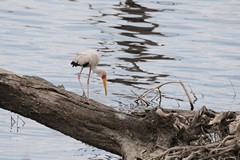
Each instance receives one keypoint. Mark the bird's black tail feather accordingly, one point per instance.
(74, 64)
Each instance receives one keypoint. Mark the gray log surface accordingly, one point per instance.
(131, 136)
(95, 124)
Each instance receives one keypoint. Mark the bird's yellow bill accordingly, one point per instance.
(105, 84)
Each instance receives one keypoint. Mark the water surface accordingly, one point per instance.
(142, 44)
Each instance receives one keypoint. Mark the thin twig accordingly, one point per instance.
(152, 89)
(225, 139)
(141, 98)
(232, 88)
(194, 95)
(158, 87)
(160, 97)
(189, 98)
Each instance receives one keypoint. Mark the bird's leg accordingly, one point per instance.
(90, 69)
(88, 102)
(79, 75)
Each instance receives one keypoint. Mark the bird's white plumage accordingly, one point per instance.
(90, 56)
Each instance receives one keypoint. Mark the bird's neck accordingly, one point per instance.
(97, 71)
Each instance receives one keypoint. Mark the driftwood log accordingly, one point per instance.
(156, 134)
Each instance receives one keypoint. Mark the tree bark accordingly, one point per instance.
(95, 124)
(131, 136)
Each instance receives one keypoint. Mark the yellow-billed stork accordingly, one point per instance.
(89, 58)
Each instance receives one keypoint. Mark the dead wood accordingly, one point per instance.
(155, 134)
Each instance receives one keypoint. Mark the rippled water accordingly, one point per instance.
(142, 44)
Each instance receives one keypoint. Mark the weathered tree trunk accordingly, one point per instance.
(94, 124)
(130, 136)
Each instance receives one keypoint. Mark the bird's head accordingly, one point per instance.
(103, 75)
(104, 79)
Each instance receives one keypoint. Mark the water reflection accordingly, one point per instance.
(136, 15)
(135, 24)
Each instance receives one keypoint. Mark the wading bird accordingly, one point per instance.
(89, 59)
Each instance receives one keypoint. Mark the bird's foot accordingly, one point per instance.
(87, 101)
(84, 95)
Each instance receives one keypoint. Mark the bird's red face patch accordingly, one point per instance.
(104, 77)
